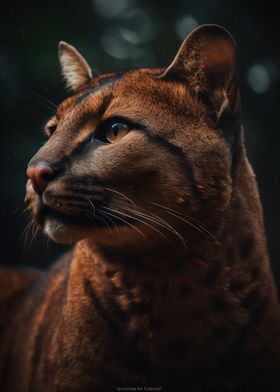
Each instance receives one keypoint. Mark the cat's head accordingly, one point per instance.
(143, 155)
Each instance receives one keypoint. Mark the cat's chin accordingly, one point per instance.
(66, 233)
(61, 232)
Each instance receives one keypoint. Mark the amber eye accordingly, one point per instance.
(113, 130)
(116, 131)
(50, 128)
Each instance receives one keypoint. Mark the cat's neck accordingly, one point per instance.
(200, 301)
(175, 304)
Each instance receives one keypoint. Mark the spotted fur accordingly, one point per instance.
(169, 284)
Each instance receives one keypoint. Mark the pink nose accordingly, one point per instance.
(40, 175)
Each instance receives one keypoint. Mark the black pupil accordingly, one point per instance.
(115, 129)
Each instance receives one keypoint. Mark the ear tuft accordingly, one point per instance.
(75, 69)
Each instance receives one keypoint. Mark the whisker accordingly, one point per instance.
(48, 101)
(93, 208)
(158, 220)
(139, 220)
(121, 194)
(115, 226)
(103, 220)
(201, 230)
(94, 215)
(176, 212)
(24, 211)
(180, 216)
(35, 232)
(26, 232)
(129, 224)
(18, 210)
(41, 103)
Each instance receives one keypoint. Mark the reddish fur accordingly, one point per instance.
(112, 315)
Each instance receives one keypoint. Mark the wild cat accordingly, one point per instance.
(169, 285)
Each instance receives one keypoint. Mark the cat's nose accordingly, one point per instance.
(40, 175)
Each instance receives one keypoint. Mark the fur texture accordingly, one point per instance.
(169, 285)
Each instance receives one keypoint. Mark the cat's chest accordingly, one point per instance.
(167, 328)
(176, 324)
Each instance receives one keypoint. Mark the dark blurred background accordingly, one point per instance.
(116, 35)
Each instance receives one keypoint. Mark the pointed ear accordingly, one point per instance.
(75, 69)
(206, 62)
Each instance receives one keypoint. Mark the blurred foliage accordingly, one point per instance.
(117, 35)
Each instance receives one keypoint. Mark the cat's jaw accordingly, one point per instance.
(59, 231)
(54, 227)
(62, 233)
(62, 228)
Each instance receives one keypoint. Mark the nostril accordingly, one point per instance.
(47, 176)
(40, 175)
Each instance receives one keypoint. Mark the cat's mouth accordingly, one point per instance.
(64, 224)
(46, 212)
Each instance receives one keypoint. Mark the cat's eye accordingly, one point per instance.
(111, 131)
(115, 131)
(50, 127)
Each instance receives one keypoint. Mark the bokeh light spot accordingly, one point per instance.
(258, 79)
(137, 26)
(185, 25)
(114, 44)
(112, 8)
(129, 35)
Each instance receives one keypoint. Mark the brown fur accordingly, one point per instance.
(182, 297)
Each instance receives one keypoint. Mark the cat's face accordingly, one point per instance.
(138, 156)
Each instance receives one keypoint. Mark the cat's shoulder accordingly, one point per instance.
(16, 281)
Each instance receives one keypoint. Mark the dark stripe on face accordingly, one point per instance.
(88, 140)
(104, 104)
(88, 143)
(104, 82)
(180, 156)
(80, 183)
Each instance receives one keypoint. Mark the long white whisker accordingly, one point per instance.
(201, 230)
(35, 232)
(115, 226)
(93, 208)
(121, 194)
(178, 215)
(106, 223)
(177, 212)
(129, 224)
(48, 101)
(139, 220)
(159, 221)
